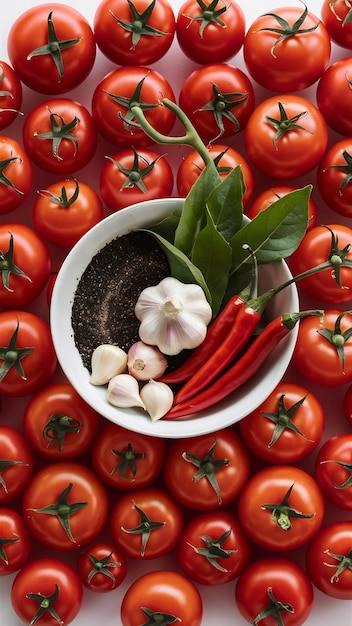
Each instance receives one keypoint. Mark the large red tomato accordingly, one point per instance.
(334, 95)
(337, 17)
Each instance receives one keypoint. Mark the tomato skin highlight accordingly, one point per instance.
(331, 470)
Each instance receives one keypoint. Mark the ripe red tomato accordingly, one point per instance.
(213, 548)
(286, 136)
(130, 176)
(286, 427)
(269, 196)
(207, 472)
(225, 158)
(218, 98)
(15, 542)
(210, 32)
(27, 356)
(114, 95)
(24, 266)
(281, 508)
(58, 423)
(336, 16)
(60, 136)
(272, 586)
(16, 463)
(16, 174)
(333, 471)
(48, 590)
(328, 558)
(334, 95)
(101, 567)
(134, 33)
(287, 63)
(10, 95)
(57, 514)
(347, 405)
(125, 459)
(318, 246)
(167, 595)
(65, 211)
(146, 523)
(329, 358)
(333, 177)
(58, 67)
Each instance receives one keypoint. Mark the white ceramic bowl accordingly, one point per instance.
(232, 409)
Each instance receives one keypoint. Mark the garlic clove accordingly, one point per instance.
(107, 361)
(123, 391)
(157, 398)
(145, 362)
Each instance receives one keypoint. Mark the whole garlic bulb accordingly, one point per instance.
(173, 315)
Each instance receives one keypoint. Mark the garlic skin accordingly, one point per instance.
(107, 361)
(173, 315)
(157, 398)
(123, 392)
(145, 361)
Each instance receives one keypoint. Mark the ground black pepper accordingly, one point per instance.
(106, 294)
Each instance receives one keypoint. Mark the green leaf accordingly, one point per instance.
(212, 254)
(193, 214)
(167, 227)
(276, 232)
(225, 203)
(180, 265)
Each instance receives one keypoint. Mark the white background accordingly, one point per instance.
(219, 605)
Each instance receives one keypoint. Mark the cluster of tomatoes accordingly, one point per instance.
(266, 503)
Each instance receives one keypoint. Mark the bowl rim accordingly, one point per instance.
(223, 414)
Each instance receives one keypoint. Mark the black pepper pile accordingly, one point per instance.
(103, 306)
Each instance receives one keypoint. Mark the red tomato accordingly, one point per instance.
(16, 463)
(208, 471)
(65, 211)
(165, 594)
(333, 470)
(333, 177)
(10, 95)
(59, 67)
(225, 158)
(137, 33)
(347, 405)
(328, 559)
(101, 567)
(114, 95)
(26, 266)
(218, 99)
(269, 196)
(286, 136)
(57, 515)
(27, 356)
(328, 361)
(129, 177)
(125, 459)
(318, 246)
(58, 423)
(334, 95)
(281, 508)
(146, 523)
(210, 32)
(336, 15)
(59, 136)
(287, 63)
(15, 542)
(48, 590)
(213, 549)
(276, 586)
(286, 427)
(16, 174)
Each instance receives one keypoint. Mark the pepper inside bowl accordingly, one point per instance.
(75, 364)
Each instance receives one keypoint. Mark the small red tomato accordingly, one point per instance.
(333, 177)
(336, 16)
(10, 95)
(101, 567)
(15, 542)
(16, 174)
(269, 196)
(334, 95)
(333, 470)
(16, 463)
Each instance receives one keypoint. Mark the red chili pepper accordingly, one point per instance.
(216, 334)
(242, 369)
